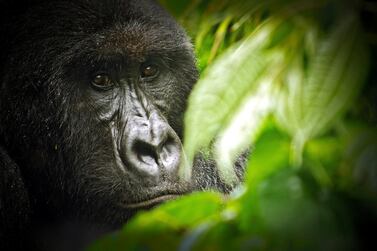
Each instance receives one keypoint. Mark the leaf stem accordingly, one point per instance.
(297, 149)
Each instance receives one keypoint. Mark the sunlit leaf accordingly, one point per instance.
(222, 90)
(244, 127)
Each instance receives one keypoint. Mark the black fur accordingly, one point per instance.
(57, 168)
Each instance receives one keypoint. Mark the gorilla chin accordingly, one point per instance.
(92, 97)
(147, 204)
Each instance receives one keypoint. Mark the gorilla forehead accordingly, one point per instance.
(137, 40)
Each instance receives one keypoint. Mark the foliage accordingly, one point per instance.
(284, 77)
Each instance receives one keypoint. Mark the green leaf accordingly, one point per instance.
(358, 169)
(296, 220)
(270, 155)
(310, 105)
(161, 228)
(232, 78)
(243, 128)
(335, 77)
(177, 8)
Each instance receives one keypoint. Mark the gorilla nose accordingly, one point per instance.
(153, 150)
(163, 151)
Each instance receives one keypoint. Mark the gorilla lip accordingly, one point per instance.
(153, 201)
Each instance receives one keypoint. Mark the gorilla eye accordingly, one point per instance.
(102, 81)
(149, 71)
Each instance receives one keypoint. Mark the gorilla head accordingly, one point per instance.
(91, 107)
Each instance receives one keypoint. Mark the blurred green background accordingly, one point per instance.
(296, 82)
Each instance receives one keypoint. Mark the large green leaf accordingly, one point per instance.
(309, 105)
(162, 228)
(243, 128)
(270, 155)
(223, 89)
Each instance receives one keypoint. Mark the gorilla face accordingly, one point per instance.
(130, 91)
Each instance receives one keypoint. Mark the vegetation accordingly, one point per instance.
(295, 80)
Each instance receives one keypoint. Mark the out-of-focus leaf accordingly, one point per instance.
(298, 221)
(219, 37)
(217, 238)
(282, 31)
(270, 154)
(176, 8)
(206, 206)
(336, 74)
(322, 156)
(359, 165)
(161, 228)
(244, 127)
(235, 76)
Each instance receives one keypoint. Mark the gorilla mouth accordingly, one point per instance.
(152, 202)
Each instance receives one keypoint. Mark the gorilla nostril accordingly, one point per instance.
(169, 154)
(145, 152)
(167, 146)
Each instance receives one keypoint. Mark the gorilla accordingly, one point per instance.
(92, 96)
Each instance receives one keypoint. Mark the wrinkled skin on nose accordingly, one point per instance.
(151, 148)
(146, 144)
